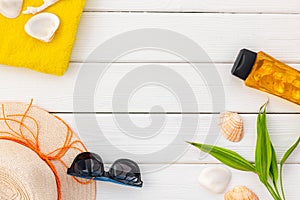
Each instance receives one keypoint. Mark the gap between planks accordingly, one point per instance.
(189, 12)
(230, 6)
(172, 113)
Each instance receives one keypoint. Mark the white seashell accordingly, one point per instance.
(34, 10)
(42, 26)
(11, 8)
(240, 193)
(232, 126)
(215, 179)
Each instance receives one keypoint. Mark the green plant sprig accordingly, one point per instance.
(265, 165)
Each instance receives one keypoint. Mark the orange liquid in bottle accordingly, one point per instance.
(275, 77)
(272, 76)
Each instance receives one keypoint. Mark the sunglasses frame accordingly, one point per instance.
(106, 176)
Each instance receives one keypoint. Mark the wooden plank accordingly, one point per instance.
(179, 182)
(144, 137)
(221, 36)
(56, 93)
(267, 6)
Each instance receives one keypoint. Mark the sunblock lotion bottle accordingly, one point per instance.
(263, 72)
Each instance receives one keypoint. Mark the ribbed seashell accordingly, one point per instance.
(240, 193)
(232, 126)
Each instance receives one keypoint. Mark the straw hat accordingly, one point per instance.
(36, 149)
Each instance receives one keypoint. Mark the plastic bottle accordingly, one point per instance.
(263, 72)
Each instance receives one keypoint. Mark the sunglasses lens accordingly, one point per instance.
(126, 171)
(88, 164)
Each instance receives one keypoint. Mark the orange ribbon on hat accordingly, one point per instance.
(56, 155)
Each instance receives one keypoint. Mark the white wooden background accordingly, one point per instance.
(221, 28)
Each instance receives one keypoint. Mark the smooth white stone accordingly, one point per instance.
(215, 179)
(42, 26)
(11, 8)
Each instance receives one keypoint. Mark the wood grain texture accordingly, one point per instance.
(178, 182)
(267, 6)
(118, 138)
(221, 36)
(221, 29)
(56, 93)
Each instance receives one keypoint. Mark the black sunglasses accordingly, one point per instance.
(90, 166)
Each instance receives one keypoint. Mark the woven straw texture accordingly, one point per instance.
(23, 167)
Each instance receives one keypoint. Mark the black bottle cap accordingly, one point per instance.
(243, 64)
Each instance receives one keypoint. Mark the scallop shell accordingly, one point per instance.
(11, 8)
(232, 126)
(42, 26)
(240, 193)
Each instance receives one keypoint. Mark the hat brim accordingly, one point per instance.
(57, 145)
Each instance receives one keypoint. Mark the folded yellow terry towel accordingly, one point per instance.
(19, 49)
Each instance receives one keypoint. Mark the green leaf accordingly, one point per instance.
(265, 157)
(263, 152)
(289, 152)
(227, 157)
(274, 169)
(283, 160)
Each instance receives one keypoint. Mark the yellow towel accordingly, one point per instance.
(19, 49)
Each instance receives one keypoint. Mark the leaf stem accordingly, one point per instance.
(265, 165)
(276, 189)
(272, 192)
(281, 183)
(285, 157)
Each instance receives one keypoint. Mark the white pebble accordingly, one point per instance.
(215, 179)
